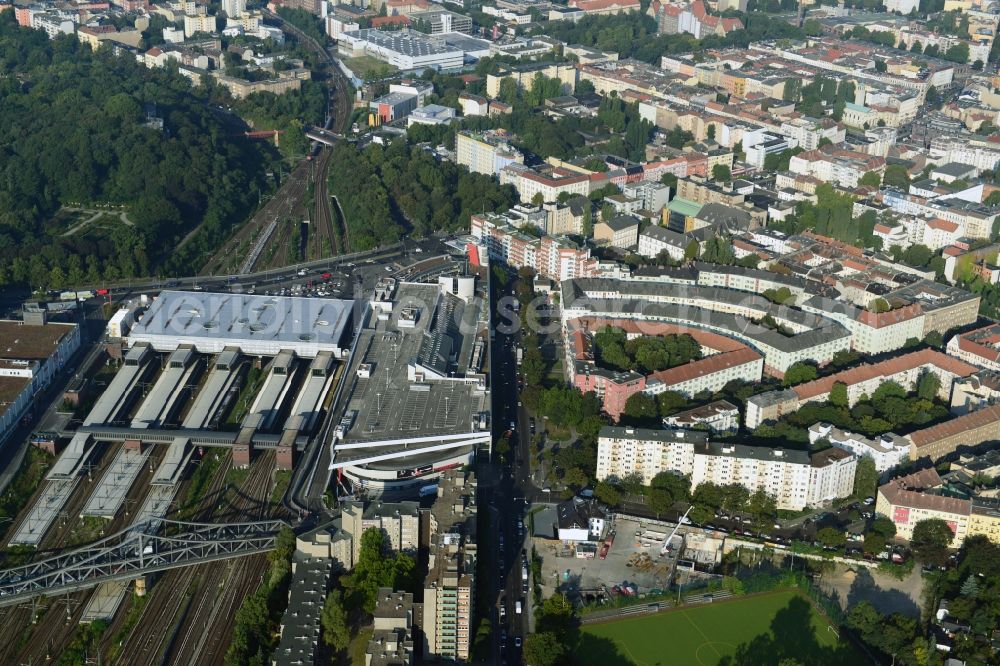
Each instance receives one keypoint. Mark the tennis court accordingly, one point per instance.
(739, 632)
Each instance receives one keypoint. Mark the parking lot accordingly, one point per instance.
(632, 559)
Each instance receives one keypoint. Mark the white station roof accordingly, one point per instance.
(257, 324)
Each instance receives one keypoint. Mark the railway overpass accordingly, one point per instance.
(134, 553)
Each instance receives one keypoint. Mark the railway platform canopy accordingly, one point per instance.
(256, 325)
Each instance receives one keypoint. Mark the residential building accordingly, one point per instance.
(861, 380)
(836, 165)
(396, 621)
(449, 588)
(234, 8)
(399, 521)
(529, 182)
(980, 347)
(553, 257)
(692, 18)
(972, 393)
(486, 152)
(794, 478)
(719, 416)
(35, 351)
(656, 239)
(907, 500)
(887, 451)
(52, 24)
(622, 452)
(968, 430)
(580, 520)
(200, 22)
(984, 518)
(621, 231)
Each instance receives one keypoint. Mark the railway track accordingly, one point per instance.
(192, 607)
(55, 627)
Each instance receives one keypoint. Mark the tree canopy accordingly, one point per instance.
(77, 136)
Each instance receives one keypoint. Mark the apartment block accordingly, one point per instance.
(449, 600)
(553, 257)
(622, 452)
(795, 479)
(487, 152)
(399, 521)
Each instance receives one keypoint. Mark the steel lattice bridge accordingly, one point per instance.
(133, 553)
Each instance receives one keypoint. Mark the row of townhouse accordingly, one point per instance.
(861, 380)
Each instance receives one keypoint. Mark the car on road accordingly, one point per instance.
(302, 272)
(517, 641)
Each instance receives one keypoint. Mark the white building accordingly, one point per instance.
(487, 153)
(794, 478)
(622, 452)
(887, 450)
(406, 50)
(760, 143)
(257, 325)
(234, 8)
(198, 23)
(34, 351)
(655, 239)
(432, 114)
(580, 520)
(718, 416)
(53, 24)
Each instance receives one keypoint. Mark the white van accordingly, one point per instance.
(517, 607)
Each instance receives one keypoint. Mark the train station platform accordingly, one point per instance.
(173, 463)
(110, 493)
(44, 512)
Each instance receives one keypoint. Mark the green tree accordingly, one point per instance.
(607, 494)
(336, 632)
(930, 541)
(677, 486)
(870, 179)
(798, 373)
(883, 527)
(874, 543)
(865, 478)
(544, 649)
(838, 394)
(831, 538)
(897, 176)
(640, 408)
(928, 385)
(721, 173)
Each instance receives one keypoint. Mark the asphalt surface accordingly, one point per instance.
(509, 500)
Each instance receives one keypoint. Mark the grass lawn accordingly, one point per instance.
(749, 631)
(366, 64)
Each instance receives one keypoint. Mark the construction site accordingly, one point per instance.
(635, 557)
(200, 423)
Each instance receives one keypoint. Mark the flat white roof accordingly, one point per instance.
(257, 324)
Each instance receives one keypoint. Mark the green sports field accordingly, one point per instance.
(750, 631)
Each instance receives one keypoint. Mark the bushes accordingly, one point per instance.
(255, 631)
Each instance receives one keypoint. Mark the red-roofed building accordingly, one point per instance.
(860, 381)
(693, 19)
(726, 359)
(604, 7)
(909, 499)
(384, 21)
(969, 430)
